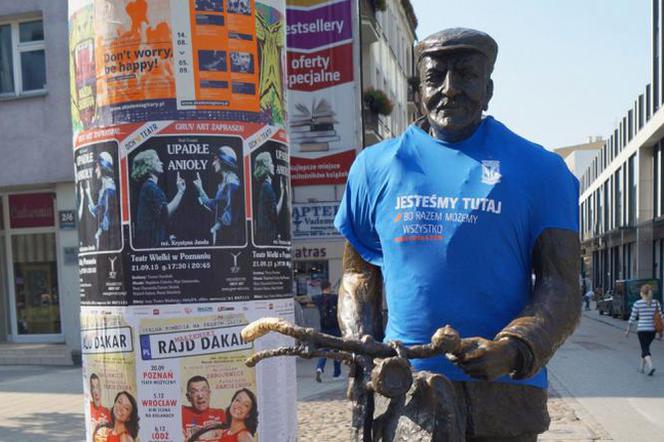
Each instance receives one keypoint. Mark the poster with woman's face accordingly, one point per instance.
(270, 192)
(109, 371)
(196, 364)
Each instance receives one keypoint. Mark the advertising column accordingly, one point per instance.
(182, 183)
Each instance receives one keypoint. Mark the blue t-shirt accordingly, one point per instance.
(453, 226)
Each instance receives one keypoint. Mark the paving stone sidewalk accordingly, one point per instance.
(46, 404)
(325, 416)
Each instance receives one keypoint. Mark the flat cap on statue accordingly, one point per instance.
(458, 39)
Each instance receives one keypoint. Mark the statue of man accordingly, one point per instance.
(453, 218)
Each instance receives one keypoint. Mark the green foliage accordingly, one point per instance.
(377, 102)
(380, 5)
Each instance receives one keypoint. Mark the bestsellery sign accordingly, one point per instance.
(314, 220)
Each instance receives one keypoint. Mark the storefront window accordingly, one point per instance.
(308, 277)
(36, 283)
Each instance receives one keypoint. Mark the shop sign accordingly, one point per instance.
(67, 219)
(31, 210)
(309, 252)
(315, 220)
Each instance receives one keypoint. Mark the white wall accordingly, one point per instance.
(578, 161)
(36, 131)
(68, 274)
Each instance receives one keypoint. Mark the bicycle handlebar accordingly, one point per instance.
(444, 340)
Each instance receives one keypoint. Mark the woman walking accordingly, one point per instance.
(643, 311)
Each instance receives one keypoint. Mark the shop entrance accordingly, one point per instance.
(29, 268)
(308, 277)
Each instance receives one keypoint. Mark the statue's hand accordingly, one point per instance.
(488, 360)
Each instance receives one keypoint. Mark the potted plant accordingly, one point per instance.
(379, 5)
(377, 102)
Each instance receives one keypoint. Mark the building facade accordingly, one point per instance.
(39, 291)
(621, 202)
(387, 37)
(579, 156)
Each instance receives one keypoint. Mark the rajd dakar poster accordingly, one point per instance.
(182, 184)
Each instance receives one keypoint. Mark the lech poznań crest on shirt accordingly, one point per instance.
(491, 172)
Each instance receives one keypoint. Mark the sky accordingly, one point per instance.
(566, 69)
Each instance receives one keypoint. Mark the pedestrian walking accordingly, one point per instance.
(327, 306)
(587, 298)
(644, 311)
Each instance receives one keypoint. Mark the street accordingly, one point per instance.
(596, 394)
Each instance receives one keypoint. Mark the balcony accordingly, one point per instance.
(376, 127)
(413, 95)
(370, 26)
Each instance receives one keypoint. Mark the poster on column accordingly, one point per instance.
(323, 90)
(148, 60)
(205, 214)
(177, 373)
(109, 373)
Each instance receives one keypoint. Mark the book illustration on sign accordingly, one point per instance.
(313, 129)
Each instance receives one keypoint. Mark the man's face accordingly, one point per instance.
(216, 164)
(199, 395)
(455, 89)
(95, 391)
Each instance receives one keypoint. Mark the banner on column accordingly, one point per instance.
(323, 91)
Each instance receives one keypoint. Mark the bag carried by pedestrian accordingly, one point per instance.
(659, 324)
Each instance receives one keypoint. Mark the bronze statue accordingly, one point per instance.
(455, 67)
(452, 218)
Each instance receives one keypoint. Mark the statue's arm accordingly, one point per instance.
(359, 314)
(554, 311)
(359, 308)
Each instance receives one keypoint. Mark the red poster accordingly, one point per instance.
(334, 170)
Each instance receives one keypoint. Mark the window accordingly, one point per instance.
(648, 102)
(631, 189)
(36, 284)
(309, 276)
(22, 57)
(618, 196)
(606, 214)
